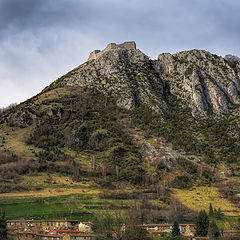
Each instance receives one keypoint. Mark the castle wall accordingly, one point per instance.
(127, 45)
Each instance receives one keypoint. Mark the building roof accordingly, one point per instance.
(20, 220)
(50, 220)
(20, 227)
(49, 235)
(69, 231)
(158, 231)
(165, 225)
(82, 235)
(26, 232)
(200, 238)
(56, 220)
(231, 231)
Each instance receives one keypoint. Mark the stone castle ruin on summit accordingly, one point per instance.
(96, 53)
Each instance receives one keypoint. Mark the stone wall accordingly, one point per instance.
(96, 53)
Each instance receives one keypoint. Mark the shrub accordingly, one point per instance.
(182, 182)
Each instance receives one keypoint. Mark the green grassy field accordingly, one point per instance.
(47, 208)
(56, 196)
(81, 207)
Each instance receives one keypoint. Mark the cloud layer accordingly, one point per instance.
(42, 40)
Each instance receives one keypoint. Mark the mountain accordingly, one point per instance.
(205, 82)
(122, 117)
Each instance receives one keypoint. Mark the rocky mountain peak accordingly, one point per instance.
(123, 72)
(206, 83)
(126, 45)
(115, 55)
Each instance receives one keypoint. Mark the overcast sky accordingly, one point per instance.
(40, 40)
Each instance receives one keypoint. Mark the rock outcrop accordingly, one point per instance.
(123, 72)
(203, 81)
(24, 117)
(96, 53)
(207, 83)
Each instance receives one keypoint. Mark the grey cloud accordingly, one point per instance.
(42, 39)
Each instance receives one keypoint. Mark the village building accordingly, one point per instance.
(197, 238)
(25, 235)
(231, 233)
(162, 229)
(20, 223)
(57, 224)
(49, 230)
(85, 227)
(74, 236)
(48, 237)
(70, 235)
(73, 230)
(22, 232)
(44, 224)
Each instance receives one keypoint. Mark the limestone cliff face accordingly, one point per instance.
(203, 81)
(207, 83)
(123, 72)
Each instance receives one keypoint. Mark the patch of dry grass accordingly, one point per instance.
(51, 94)
(200, 197)
(49, 192)
(15, 141)
(49, 185)
(54, 180)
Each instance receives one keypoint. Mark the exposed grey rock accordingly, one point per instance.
(127, 103)
(232, 59)
(22, 118)
(80, 137)
(126, 45)
(206, 82)
(123, 72)
(203, 81)
(166, 63)
(54, 112)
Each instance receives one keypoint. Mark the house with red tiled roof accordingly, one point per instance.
(185, 229)
(231, 233)
(75, 236)
(45, 224)
(49, 237)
